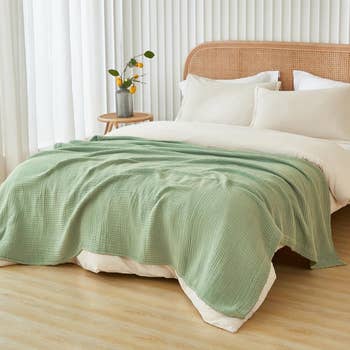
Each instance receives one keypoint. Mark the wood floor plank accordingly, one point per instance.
(66, 307)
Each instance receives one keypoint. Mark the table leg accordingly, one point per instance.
(106, 128)
(116, 125)
(110, 127)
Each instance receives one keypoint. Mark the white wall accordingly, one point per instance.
(173, 27)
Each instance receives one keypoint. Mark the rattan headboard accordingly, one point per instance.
(235, 59)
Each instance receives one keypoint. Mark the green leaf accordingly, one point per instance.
(127, 83)
(113, 72)
(149, 54)
(132, 62)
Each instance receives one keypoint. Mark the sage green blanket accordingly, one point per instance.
(216, 216)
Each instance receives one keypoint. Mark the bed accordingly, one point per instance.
(174, 157)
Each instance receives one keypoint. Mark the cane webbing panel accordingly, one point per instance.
(236, 59)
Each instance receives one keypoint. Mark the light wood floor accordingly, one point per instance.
(66, 307)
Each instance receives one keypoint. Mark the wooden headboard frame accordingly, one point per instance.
(236, 59)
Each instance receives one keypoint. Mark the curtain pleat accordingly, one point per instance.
(67, 68)
(14, 144)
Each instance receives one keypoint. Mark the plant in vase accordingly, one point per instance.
(126, 84)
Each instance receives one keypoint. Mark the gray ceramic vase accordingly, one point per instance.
(124, 103)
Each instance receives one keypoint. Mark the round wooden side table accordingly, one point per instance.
(112, 119)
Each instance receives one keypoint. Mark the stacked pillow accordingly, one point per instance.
(306, 81)
(316, 113)
(215, 101)
(262, 77)
(318, 108)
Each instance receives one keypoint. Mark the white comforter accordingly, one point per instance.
(329, 156)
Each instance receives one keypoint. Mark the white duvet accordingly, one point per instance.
(333, 159)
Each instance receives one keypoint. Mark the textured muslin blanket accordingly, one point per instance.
(215, 216)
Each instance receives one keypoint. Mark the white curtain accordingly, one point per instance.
(70, 46)
(66, 69)
(54, 82)
(13, 96)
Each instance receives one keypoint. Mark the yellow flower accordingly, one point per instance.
(139, 64)
(135, 76)
(119, 81)
(132, 89)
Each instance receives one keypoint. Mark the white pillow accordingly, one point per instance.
(262, 77)
(307, 81)
(211, 101)
(316, 113)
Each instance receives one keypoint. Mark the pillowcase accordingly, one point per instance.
(315, 113)
(263, 77)
(306, 81)
(216, 102)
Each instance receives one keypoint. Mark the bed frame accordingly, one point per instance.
(236, 59)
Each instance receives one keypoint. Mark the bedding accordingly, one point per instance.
(307, 81)
(327, 156)
(208, 100)
(262, 77)
(315, 113)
